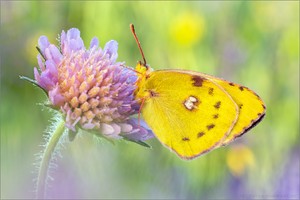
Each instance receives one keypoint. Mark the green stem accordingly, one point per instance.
(47, 155)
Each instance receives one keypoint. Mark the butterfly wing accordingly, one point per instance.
(251, 107)
(183, 113)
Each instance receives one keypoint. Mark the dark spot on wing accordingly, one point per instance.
(197, 81)
(241, 88)
(217, 105)
(216, 116)
(153, 94)
(210, 126)
(200, 134)
(255, 94)
(258, 97)
(211, 91)
(240, 106)
(231, 83)
(185, 139)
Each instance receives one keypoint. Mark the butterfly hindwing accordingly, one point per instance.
(189, 114)
(251, 107)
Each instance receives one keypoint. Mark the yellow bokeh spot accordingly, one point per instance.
(239, 158)
(30, 49)
(30, 44)
(187, 29)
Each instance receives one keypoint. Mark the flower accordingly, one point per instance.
(91, 89)
(187, 29)
(239, 158)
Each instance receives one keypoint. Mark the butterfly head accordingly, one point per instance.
(143, 73)
(143, 70)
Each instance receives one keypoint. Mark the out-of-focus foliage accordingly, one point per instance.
(249, 42)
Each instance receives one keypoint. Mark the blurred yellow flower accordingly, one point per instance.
(239, 158)
(187, 29)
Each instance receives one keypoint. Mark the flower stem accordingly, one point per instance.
(46, 158)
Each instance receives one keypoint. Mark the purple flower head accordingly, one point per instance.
(91, 89)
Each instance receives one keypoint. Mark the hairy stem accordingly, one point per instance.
(46, 158)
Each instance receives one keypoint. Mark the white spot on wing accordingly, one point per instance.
(190, 102)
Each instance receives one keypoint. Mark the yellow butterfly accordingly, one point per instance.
(193, 113)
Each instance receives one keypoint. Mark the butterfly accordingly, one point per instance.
(192, 113)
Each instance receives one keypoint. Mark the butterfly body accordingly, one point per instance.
(193, 113)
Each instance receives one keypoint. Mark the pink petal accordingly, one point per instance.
(111, 48)
(55, 97)
(43, 43)
(40, 62)
(117, 129)
(106, 129)
(55, 54)
(94, 43)
(36, 75)
(125, 128)
(50, 65)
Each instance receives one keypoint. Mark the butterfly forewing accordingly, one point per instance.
(188, 113)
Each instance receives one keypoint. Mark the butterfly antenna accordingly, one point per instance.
(138, 43)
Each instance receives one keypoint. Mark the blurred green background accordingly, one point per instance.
(249, 42)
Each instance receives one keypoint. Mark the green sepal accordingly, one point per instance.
(144, 144)
(71, 135)
(51, 106)
(33, 82)
(39, 50)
